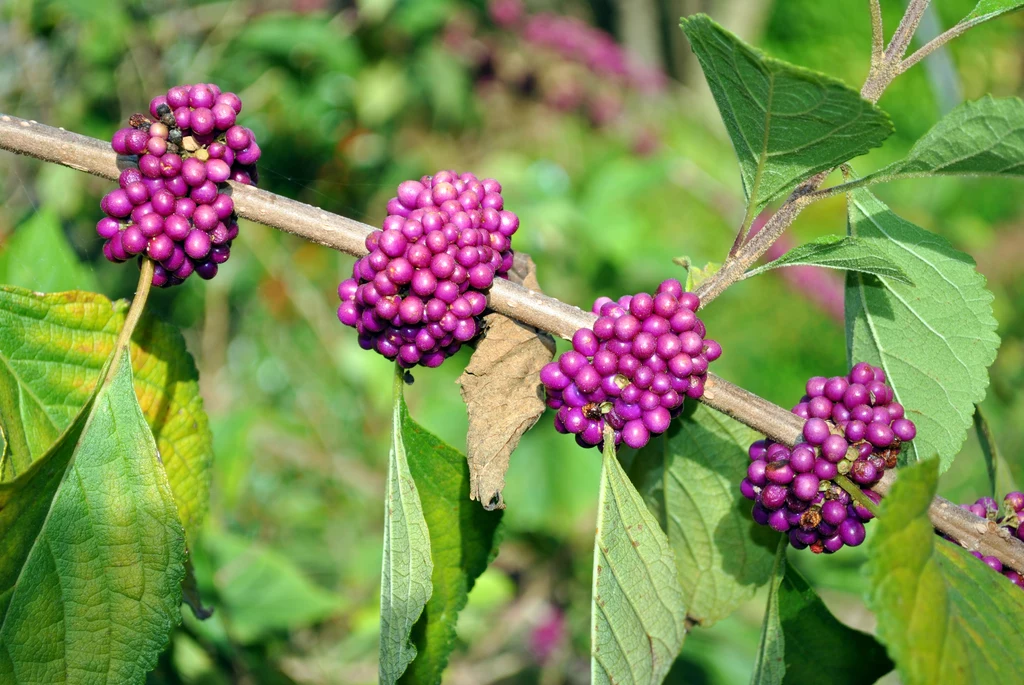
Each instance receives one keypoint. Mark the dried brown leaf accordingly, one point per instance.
(502, 390)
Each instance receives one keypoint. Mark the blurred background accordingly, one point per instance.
(596, 119)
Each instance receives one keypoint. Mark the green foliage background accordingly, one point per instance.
(348, 99)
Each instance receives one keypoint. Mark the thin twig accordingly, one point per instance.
(857, 494)
(131, 319)
(736, 266)
(905, 31)
(877, 35)
(936, 43)
(529, 307)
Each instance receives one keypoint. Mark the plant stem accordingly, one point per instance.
(527, 306)
(879, 78)
(877, 35)
(857, 494)
(936, 43)
(131, 319)
(905, 31)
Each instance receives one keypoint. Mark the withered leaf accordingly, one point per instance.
(502, 391)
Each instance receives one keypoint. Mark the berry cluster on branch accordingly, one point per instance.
(531, 308)
(1009, 518)
(419, 293)
(174, 208)
(632, 370)
(854, 428)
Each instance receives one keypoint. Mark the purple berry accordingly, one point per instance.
(905, 430)
(834, 448)
(197, 244)
(805, 486)
(816, 431)
(833, 512)
(852, 532)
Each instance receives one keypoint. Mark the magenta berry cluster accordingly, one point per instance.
(419, 293)
(1010, 517)
(855, 428)
(172, 208)
(644, 355)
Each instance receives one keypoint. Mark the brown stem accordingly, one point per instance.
(736, 266)
(973, 532)
(529, 307)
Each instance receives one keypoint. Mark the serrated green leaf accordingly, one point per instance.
(262, 591)
(405, 578)
(770, 660)
(981, 137)
(90, 587)
(786, 123)
(463, 541)
(689, 478)
(638, 618)
(944, 616)
(846, 253)
(39, 257)
(52, 348)
(990, 9)
(815, 638)
(935, 341)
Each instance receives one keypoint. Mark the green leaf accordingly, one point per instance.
(90, 587)
(814, 637)
(846, 253)
(405, 584)
(689, 478)
(463, 541)
(990, 9)
(770, 660)
(638, 616)
(786, 123)
(52, 348)
(260, 590)
(935, 341)
(39, 257)
(944, 615)
(696, 275)
(981, 137)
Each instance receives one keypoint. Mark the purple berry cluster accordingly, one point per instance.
(171, 208)
(419, 294)
(855, 428)
(643, 357)
(1011, 517)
